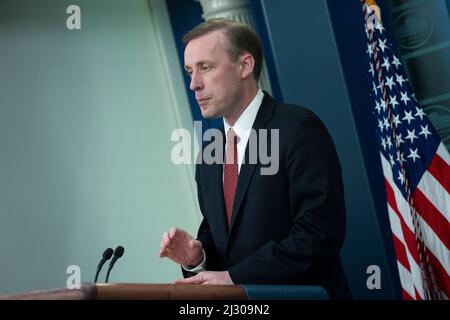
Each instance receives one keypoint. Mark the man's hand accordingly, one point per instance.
(180, 247)
(207, 277)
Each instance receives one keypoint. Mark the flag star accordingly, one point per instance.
(408, 117)
(389, 142)
(374, 88)
(382, 44)
(377, 106)
(379, 27)
(396, 62)
(386, 123)
(380, 125)
(390, 82)
(405, 97)
(393, 101)
(420, 113)
(383, 143)
(414, 96)
(372, 71)
(399, 139)
(369, 49)
(425, 131)
(391, 160)
(401, 177)
(400, 157)
(399, 79)
(413, 154)
(411, 135)
(396, 119)
(383, 104)
(386, 64)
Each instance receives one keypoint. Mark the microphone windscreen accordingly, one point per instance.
(119, 251)
(107, 254)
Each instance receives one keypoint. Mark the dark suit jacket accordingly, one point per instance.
(286, 228)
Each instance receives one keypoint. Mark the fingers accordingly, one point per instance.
(164, 252)
(198, 279)
(196, 252)
(207, 277)
(172, 233)
(165, 239)
(164, 248)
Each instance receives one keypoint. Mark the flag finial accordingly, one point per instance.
(373, 6)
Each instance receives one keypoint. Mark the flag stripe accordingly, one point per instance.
(394, 192)
(405, 280)
(400, 252)
(438, 255)
(436, 194)
(433, 243)
(440, 171)
(440, 273)
(432, 217)
(406, 296)
(415, 272)
(408, 236)
(418, 297)
(443, 153)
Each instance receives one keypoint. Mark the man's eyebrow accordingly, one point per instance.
(199, 63)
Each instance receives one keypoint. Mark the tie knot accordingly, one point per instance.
(232, 137)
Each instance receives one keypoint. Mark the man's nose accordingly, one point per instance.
(196, 82)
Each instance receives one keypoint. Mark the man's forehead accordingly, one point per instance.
(204, 48)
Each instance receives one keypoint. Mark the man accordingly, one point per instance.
(281, 228)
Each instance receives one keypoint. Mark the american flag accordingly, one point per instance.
(416, 168)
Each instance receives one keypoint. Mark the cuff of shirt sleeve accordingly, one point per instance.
(199, 268)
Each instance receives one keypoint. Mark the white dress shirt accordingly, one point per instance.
(244, 124)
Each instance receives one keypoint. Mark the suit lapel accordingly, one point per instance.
(247, 169)
(219, 198)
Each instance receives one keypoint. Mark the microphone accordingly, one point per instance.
(106, 256)
(117, 254)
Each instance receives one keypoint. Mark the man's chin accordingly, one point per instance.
(210, 115)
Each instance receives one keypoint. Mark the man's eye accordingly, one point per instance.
(189, 73)
(204, 68)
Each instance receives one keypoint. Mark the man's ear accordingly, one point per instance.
(247, 64)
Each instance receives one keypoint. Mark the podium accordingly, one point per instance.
(141, 291)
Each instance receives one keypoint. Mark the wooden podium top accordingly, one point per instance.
(135, 291)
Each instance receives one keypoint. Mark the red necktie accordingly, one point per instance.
(230, 172)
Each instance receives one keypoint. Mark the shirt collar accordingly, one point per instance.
(244, 123)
